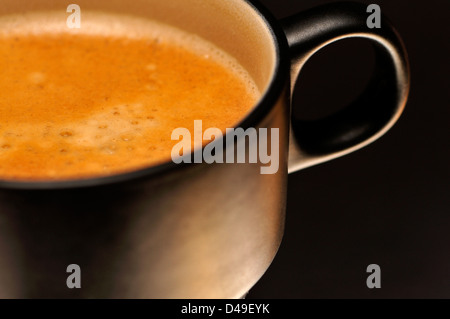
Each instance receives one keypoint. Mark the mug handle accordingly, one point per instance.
(375, 111)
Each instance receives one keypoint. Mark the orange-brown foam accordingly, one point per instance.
(83, 104)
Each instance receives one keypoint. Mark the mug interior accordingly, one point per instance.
(234, 26)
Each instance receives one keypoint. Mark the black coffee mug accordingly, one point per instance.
(195, 230)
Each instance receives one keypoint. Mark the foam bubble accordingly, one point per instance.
(37, 78)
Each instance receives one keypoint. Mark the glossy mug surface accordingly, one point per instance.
(192, 230)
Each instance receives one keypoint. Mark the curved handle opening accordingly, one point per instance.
(374, 112)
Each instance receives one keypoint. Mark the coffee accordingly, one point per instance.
(105, 98)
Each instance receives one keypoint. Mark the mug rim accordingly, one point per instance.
(274, 90)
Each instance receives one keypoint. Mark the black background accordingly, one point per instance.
(388, 204)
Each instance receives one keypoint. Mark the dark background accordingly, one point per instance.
(388, 204)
